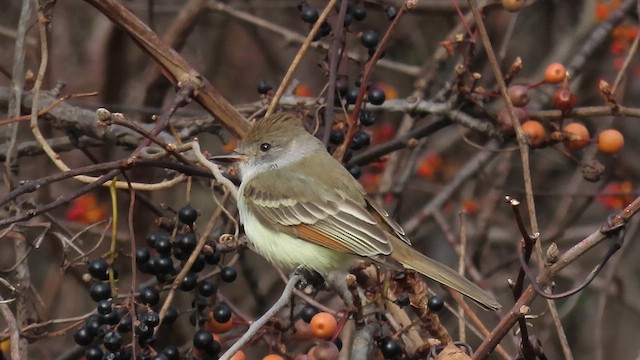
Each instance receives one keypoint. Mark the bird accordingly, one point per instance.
(300, 207)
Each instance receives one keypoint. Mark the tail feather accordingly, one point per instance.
(413, 260)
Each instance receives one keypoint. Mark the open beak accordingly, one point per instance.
(228, 158)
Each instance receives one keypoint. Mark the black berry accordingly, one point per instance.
(170, 316)
(100, 291)
(336, 137)
(435, 303)
(213, 259)
(376, 96)
(152, 319)
(99, 269)
(348, 19)
(309, 14)
(93, 353)
(82, 336)
(308, 312)
(111, 318)
(359, 12)
(360, 140)
(125, 324)
(228, 274)
(162, 264)
(370, 39)
(112, 341)
(187, 242)
(171, 352)
(390, 348)
(153, 237)
(149, 296)
(189, 282)
(198, 265)
(222, 313)
(187, 215)
(92, 324)
(202, 340)
(206, 288)
(105, 306)
(163, 245)
(367, 118)
(264, 87)
(142, 255)
(342, 85)
(352, 95)
(325, 29)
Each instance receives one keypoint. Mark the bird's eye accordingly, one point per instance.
(264, 147)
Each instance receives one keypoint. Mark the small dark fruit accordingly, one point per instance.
(99, 269)
(352, 95)
(370, 38)
(376, 96)
(222, 313)
(187, 215)
(390, 348)
(263, 87)
(367, 118)
(359, 12)
(142, 255)
(189, 282)
(435, 303)
(100, 291)
(360, 140)
(171, 352)
(336, 137)
(228, 274)
(149, 296)
(93, 353)
(213, 259)
(307, 313)
(112, 341)
(309, 14)
(202, 340)
(82, 336)
(170, 316)
(206, 288)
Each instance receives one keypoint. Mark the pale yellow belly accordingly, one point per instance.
(288, 252)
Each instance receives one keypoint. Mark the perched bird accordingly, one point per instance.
(301, 207)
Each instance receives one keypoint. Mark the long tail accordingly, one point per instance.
(413, 260)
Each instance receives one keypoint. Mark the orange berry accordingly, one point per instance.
(610, 141)
(512, 5)
(576, 136)
(273, 357)
(239, 356)
(218, 328)
(323, 325)
(555, 73)
(535, 132)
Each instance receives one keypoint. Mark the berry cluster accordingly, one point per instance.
(106, 333)
(574, 135)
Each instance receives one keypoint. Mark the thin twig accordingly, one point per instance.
(524, 158)
(264, 319)
(298, 58)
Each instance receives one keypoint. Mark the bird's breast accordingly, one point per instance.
(287, 251)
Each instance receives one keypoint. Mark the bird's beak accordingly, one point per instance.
(228, 158)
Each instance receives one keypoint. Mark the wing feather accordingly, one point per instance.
(332, 220)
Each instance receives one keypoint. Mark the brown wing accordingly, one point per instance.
(312, 211)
